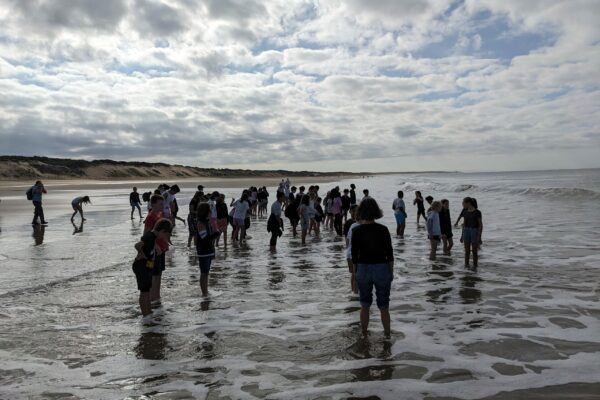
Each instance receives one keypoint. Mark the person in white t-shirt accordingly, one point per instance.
(240, 210)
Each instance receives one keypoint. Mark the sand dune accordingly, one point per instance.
(16, 168)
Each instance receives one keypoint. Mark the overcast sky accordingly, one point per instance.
(379, 85)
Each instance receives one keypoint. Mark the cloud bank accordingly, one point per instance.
(333, 85)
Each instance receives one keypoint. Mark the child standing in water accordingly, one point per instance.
(77, 204)
(400, 213)
(205, 248)
(434, 231)
(145, 261)
(418, 201)
(446, 227)
(472, 229)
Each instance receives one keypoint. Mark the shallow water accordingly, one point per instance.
(284, 325)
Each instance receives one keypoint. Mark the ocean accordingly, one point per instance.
(284, 324)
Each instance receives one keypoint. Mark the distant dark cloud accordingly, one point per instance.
(68, 14)
(156, 18)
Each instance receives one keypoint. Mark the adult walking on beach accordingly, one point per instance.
(373, 255)
(77, 205)
(134, 201)
(35, 195)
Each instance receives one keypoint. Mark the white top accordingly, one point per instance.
(399, 206)
(240, 209)
(276, 209)
(349, 240)
(213, 208)
(169, 197)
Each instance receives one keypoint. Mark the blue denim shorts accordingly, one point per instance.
(378, 275)
(205, 263)
(400, 219)
(471, 235)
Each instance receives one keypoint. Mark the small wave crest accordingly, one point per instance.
(561, 193)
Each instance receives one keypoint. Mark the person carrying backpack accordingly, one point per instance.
(35, 195)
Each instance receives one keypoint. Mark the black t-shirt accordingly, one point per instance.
(149, 240)
(222, 211)
(419, 203)
(345, 202)
(352, 197)
(291, 197)
(472, 218)
(347, 226)
(445, 221)
(134, 197)
(261, 196)
(371, 244)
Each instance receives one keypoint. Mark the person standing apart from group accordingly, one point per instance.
(77, 205)
(35, 195)
(400, 214)
(135, 202)
(373, 255)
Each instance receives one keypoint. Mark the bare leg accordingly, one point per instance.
(364, 320)
(385, 320)
(73, 216)
(467, 252)
(475, 248)
(402, 226)
(155, 289)
(434, 245)
(204, 284)
(145, 303)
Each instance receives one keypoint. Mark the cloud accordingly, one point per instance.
(246, 83)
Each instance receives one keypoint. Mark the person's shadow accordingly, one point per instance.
(38, 234)
(77, 229)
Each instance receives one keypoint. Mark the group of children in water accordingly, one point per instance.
(369, 249)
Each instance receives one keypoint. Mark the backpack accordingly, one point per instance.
(29, 193)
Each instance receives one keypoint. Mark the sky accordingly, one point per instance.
(354, 85)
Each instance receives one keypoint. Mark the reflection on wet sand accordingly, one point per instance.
(77, 228)
(151, 346)
(38, 234)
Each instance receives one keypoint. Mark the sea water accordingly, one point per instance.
(284, 325)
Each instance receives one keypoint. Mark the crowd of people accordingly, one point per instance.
(369, 250)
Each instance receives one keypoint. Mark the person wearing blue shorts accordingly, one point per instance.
(400, 213)
(373, 254)
(205, 245)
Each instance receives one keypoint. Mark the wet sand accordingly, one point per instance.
(284, 325)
